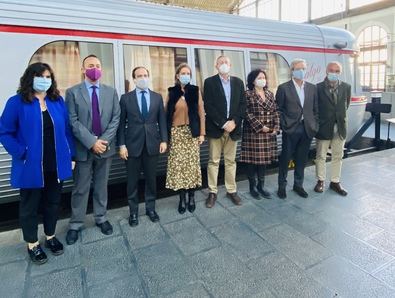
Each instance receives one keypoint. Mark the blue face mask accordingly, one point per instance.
(332, 76)
(185, 79)
(299, 74)
(41, 84)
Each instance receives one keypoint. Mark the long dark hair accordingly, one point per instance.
(26, 83)
(252, 76)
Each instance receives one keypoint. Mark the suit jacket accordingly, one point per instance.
(215, 106)
(291, 110)
(331, 112)
(135, 132)
(80, 115)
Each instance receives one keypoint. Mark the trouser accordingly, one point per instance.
(216, 146)
(337, 145)
(95, 170)
(49, 196)
(296, 145)
(133, 166)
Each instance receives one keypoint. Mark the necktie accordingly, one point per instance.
(96, 125)
(144, 109)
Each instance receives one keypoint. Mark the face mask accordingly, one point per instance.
(185, 79)
(299, 74)
(224, 68)
(93, 73)
(332, 76)
(142, 83)
(41, 84)
(260, 83)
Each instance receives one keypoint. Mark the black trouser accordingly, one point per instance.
(133, 166)
(254, 170)
(297, 145)
(49, 197)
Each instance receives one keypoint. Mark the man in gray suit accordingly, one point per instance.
(333, 101)
(298, 107)
(142, 136)
(94, 116)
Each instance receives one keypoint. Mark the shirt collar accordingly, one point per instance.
(223, 80)
(297, 86)
(140, 90)
(89, 84)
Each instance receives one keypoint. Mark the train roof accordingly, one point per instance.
(132, 17)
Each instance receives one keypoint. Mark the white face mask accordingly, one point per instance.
(260, 83)
(224, 68)
(142, 83)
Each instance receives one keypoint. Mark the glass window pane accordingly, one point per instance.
(248, 11)
(359, 3)
(294, 11)
(205, 64)
(160, 61)
(65, 58)
(321, 8)
(275, 66)
(269, 9)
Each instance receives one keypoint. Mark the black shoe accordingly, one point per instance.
(282, 194)
(262, 191)
(105, 227)
(37, 255)
(300, 191)
(253, 191)
(153, 216)
(71, 237)
(133, 220)
(55, 246)
(183, 201)
(191, 201)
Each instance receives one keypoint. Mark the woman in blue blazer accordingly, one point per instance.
(34, 129)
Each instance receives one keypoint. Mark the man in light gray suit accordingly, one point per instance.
(94, 116)
(297, 102)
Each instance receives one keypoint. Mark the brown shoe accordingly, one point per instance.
(210, 202)
(338, 188)
(234, 197)
(319, 187)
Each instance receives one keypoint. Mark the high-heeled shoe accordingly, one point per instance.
(191, 201)
(182, 203)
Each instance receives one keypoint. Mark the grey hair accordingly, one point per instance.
(335, 63)
(296, 61)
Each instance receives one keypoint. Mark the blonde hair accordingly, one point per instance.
(178, 70)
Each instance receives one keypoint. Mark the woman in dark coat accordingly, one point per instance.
(260, 129)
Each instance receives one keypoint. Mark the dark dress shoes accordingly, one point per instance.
(300, 191)
(210, 201)
(71, 237)
(234, 197)
(55, 246)
(153, 216)
(319, 187)
(182, 204)
(264, 193)
(282, 194)
(191, 204)
(338, 188)
(133, 220)
(105, 227)
(37, 255)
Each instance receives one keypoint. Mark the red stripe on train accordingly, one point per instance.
(109, 35)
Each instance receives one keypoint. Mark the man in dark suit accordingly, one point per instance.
(224, 103)
(142, 136)
(94, 118)
(333, 102)
(298, 107)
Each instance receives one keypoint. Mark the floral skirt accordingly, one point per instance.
(183, 165)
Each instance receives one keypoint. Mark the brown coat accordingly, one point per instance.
(258, 147)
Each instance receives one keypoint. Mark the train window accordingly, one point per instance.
(160, 61)
(65, 58)
(275, 66)
(205, 63)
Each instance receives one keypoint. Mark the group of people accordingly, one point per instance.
(51, 139)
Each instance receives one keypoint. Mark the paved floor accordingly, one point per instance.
(323, 246)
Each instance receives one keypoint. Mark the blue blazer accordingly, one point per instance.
(21, 133)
